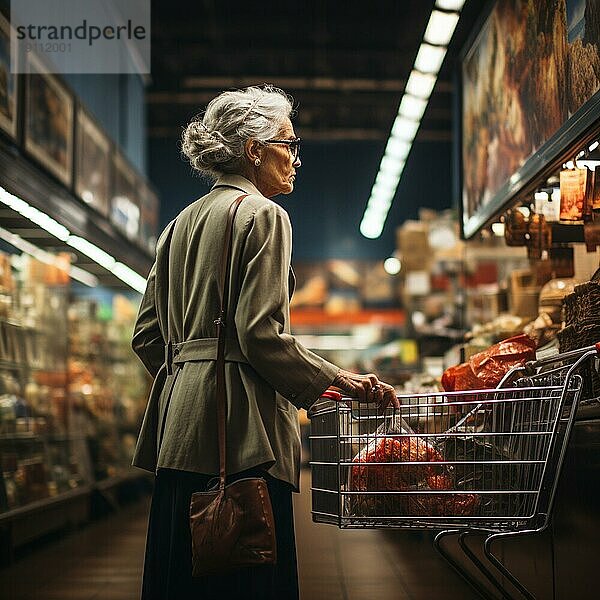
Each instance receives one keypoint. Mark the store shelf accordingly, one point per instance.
(45, 503)
(23, 178)
(13, 366)
(103, 486)
(34, 437)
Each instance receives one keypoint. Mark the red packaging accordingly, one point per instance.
(405, 477)
(486, 369)
(393, 477)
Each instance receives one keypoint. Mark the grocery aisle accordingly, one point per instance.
(104, 562)
(368, 564)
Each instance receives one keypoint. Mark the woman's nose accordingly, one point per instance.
(297, 163)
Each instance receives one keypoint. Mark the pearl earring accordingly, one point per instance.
(257, 162)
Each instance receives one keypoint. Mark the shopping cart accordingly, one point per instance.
(481, 462)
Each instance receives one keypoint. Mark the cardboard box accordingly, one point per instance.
(524, 294)
(413, 245)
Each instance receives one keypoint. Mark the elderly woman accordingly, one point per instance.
(246, 142)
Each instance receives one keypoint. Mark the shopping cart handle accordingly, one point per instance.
(333, 394)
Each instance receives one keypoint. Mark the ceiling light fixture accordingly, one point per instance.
(430, 58)
(129, 276)
(391, 166)
(397, 149)
(371, 229)
(92, 251)
(46, 257)
(419, 87)
(420, 84)
(53, 227)
(440, 28)
(455, 5)
(405, 129)
(412, 107)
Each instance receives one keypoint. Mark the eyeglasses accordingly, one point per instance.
(293, 146)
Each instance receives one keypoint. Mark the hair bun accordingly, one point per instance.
(202, 147)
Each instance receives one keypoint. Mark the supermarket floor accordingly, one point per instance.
(103, 561)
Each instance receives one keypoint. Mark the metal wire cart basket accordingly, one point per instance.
(471, 462)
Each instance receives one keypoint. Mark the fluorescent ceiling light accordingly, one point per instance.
(391, 166)
(130, 277)
(450, 4)
(380, 203)
(46, 257)
(83, 276)
(386, 181)
(412, 107)
(405, 129)
(371, 229)
(440, 28)
(413, 104)
(430, 58)
(24, 246)
(92, 251)
(124, 273)
(34, 215)
(379, 191)
(397, 149)
(375, 213)
(12, 201)
(420, 84)
(46, 222)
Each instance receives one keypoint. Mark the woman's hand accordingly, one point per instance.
(367, 388)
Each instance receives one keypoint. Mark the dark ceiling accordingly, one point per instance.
(345, 63)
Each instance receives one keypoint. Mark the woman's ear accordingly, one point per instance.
(253, 150)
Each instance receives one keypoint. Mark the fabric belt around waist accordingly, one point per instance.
(201, 349)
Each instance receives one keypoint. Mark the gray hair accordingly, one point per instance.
(214, 142)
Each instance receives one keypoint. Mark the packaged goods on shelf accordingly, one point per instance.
(71, 390)
(582, 326)
(591, 233)
(524, 293)
(503, 326)
(413, 243)
(573, 184)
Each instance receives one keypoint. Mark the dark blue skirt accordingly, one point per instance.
(168, 560)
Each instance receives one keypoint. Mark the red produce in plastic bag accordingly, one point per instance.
(486, 369)
(381, 477)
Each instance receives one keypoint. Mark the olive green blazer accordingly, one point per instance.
(269, 375)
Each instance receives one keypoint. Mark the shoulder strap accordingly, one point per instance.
(220, 324)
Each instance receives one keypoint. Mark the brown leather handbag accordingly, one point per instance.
(231, 526)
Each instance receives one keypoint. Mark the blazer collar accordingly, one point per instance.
(238, 182)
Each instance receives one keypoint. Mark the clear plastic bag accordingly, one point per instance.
(396, 475)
